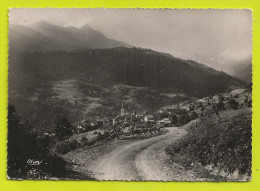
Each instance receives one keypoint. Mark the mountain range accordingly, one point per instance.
(80, 72)
(43, 36)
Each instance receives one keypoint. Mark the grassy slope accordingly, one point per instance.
(222, 147)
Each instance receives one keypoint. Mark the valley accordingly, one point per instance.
(96, 108)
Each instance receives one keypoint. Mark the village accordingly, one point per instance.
(132, 123)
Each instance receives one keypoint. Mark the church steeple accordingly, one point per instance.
(122, 110)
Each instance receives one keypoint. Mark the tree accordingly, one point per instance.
(174, 119)
(194, 115)
(216, 110)
(221, 98)
(63, 128)
(24, 145)
(233, 103)
(200, 104)
(191, 107)
(220, 105)
(249, 104)
(250, 86)
(163, 115)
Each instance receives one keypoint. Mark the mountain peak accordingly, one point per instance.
(42, 23)
(86, 26)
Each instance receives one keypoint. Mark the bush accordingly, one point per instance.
(68, 145)
(63, 129)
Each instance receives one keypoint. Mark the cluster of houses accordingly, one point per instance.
(168, 117)
(163, 117)
(124, 117)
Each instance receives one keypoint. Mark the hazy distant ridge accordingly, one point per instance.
(44, 36)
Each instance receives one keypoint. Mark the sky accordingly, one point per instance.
(190, 34)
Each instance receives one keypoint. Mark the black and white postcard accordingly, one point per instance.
(130, 94)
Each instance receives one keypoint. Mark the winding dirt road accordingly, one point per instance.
(142, 160)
